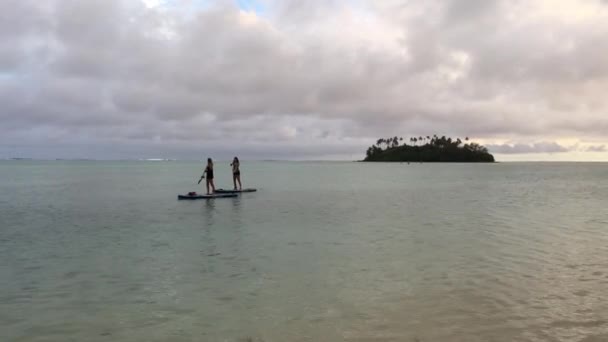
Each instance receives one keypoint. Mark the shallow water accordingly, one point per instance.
(103, 251)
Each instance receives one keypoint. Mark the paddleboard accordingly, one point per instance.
(204, 196)
(228, 191)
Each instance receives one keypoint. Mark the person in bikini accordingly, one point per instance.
(209, 172)
(236, 173)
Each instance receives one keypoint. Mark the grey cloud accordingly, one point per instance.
(457, 11)
(598, 148)
(541, 147)
(21, 24)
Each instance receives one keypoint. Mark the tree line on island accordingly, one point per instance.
(427, 149)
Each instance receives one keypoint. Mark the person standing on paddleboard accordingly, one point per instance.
(236, 173)
(209, 172)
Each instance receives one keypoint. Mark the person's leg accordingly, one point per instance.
(234, 176)
(238, 178)
(212, 185)
(207, 183)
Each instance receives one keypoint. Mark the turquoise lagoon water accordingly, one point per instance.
(327, 251)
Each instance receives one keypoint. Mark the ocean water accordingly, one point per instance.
(103, 251)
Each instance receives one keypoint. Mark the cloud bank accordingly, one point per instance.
(542, 147)
(297, 79)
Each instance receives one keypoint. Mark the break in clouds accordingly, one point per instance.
(299, 79)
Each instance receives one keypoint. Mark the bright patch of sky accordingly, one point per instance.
(251, 6)
(154, 3)
(245, 5)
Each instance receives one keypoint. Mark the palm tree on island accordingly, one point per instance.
(431, 149)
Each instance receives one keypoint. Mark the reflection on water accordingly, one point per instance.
(208, 210)
(326, 252)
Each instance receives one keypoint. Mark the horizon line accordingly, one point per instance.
(280, 160)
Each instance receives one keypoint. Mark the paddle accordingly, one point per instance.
(202, 176)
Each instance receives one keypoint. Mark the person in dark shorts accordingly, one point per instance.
(209, 172)
(236, 172)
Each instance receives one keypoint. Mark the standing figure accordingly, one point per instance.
(209, 172)
(236, 173)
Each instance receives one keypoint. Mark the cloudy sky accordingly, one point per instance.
(315, 79)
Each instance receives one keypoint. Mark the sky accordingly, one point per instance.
(315, 79)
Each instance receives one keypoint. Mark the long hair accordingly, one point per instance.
(236, 159)
(209, 162)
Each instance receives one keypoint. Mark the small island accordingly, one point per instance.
(431, 149)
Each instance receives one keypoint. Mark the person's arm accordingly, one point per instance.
(202, 176)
